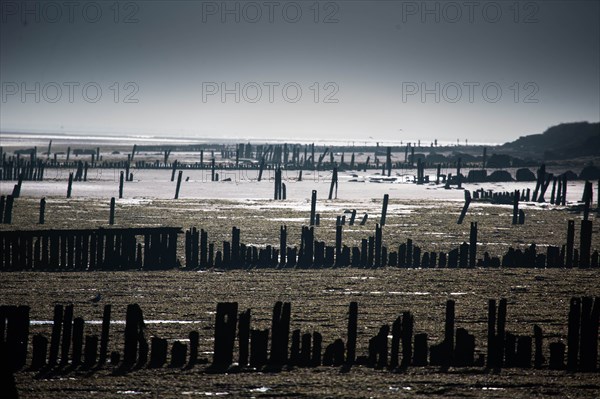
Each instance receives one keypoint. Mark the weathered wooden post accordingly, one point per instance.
(388, 161)
(386, 198)
(158, 352)
(465, 207)
(473, 245)
(280, 331)
(77, 341)
(194, 338)
(70, 185)
(313, 207)
(225, 328)
(178, 184)
(121, 178)
(585, 243)
(334, 183)
(66, 335)
(55, 337)
(135, 342)
(111, 217)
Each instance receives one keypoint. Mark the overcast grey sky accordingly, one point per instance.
(343, 70)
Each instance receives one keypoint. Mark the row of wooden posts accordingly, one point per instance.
(70, 348)
(119, 249)
(89, 249)
(312, 253)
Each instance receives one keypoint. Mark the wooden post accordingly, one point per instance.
(465, 207)
(121, 178)
(42, 210)
(473, 245)
(180, 175)
(386, 198)
(173, 170)
(585, 243)
(70, 185)
(111, 217)
(313, 207)
(225, 327)
(389, 161)
(55, 338)
(334, 183)
(280, 330)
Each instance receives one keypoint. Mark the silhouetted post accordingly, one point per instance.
(178, 354)
(280, 331)
(473, 244)
(225, 327)
(111, 217)
(313, 207)
(258, 347)
(557, 356)
(334, 183)
(173, 170)
(213, 176)
(178, 184)
(421, 350)
(40, 348)
(465, 207)
(194, 337)
(55, 337)
(590, 316)
(77, 341)
(585, 243)
(105, 334)
(8, 209)
(90, 351)
(42, 210)
(438, 173)
(407, 333)
(70, 185)
(352, 327)
(338, 244)
(134, 337)
(386, 198)
(516, 198)
(158, 352)
(389, 161)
